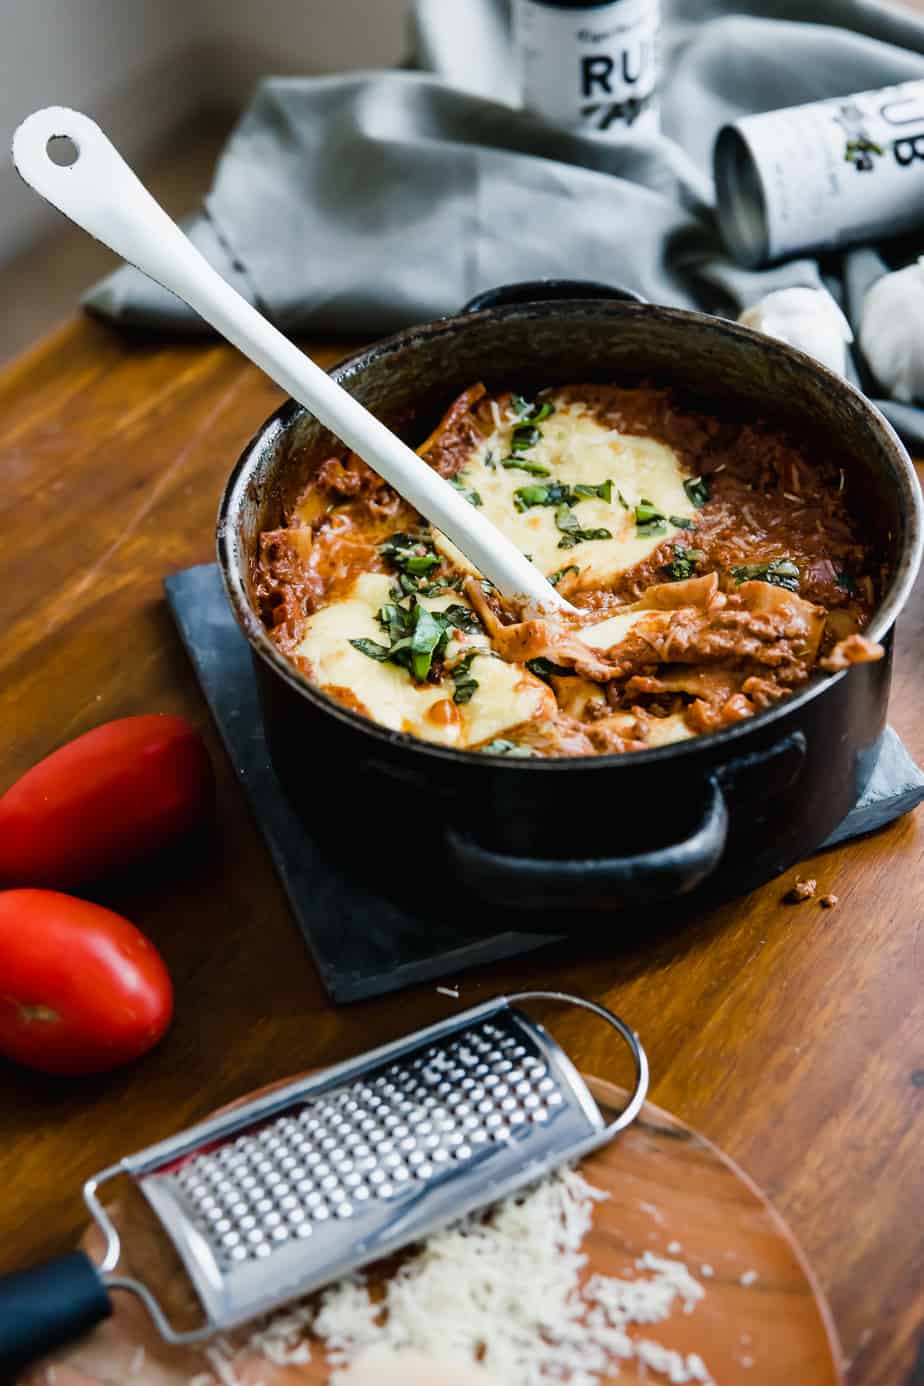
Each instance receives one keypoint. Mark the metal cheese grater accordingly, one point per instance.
(295, 1189)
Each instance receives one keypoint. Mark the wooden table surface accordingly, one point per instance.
(792, 1036)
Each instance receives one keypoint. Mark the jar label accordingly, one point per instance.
(590, 69)
(841, 170)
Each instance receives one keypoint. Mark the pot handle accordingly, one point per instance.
(546, 291)
(544, 883)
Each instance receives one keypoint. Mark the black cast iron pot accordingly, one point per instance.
(537, 844)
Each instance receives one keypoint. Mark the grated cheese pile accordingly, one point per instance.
(503, 1292)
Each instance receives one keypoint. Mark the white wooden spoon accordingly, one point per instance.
(100, 192)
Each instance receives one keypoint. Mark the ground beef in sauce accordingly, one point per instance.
(726, 638)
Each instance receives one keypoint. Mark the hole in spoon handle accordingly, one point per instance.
(62, 150)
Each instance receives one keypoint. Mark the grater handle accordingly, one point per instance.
(631, 1039)
(46, 1307)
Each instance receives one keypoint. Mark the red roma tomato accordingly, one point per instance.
(81, 990)
(103, 802)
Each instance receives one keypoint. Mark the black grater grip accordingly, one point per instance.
(47, 1306)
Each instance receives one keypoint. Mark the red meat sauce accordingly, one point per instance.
(724, 644)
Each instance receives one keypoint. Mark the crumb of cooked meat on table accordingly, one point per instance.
(803, 889)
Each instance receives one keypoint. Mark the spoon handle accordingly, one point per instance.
(100, 193)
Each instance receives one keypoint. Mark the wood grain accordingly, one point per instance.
(791, 1036)
(669, 1192)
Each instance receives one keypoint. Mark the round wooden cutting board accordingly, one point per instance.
(762, 1321)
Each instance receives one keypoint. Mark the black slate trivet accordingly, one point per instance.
(364, 943)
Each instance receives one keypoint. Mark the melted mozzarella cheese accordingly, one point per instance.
(605, 634)
(663, 731)
(507, 695)
(653, 731)
(577, 449)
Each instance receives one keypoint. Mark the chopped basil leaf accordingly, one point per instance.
(570, 525)
(524, 436)
(555, 493)
(417, 635)
(489, 460)
(603, 492)
(682, 567)
(524, 465)
(459, 617)
(428, 634)
(500, 747)
(566, 520)
(370, 648)
(462, 678)
(646, 513)
(648, 520)
(422, 563)
(622, 501)
(410, 553)
(544, 669)
(556, 578)
(399, 544)
(782, 572)
(559, 493)
(532, 413)
(583, 536)
(441, 585)
(697, 488)
(406, 586)
(526, 496)
(685, 563)
(594, 534)
(395, 620)
(470, 495)
(680, 521)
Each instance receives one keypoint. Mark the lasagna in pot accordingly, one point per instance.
(714, 565)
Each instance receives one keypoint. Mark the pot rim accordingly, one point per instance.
(233, 576)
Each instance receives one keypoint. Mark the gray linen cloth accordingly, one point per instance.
(355, 205)
(358, 204)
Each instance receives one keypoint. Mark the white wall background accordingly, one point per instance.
(142, 67)
(255, 37)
